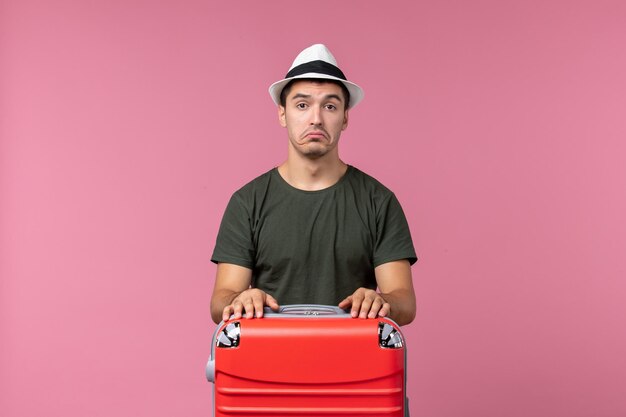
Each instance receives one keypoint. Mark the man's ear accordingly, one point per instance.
(281, 116)
(345, 120)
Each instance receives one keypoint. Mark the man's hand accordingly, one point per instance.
(366, 303)
(396, 299)
(250, 301)
(232, 294)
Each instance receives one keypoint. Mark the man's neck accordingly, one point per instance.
(312, 175)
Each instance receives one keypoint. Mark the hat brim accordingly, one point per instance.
(356, 92)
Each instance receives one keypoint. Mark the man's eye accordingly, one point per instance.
(301, 105)
(331, 107)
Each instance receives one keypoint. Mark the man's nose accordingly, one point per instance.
(316, 116)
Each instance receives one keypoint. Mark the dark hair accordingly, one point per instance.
(287, 89)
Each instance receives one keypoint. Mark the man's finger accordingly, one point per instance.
(385, 309)
(249, 308)
(365, 307)
(271, 302)
(258, 306)
(375, 308)
(357, 299)
(228, 310)
(237, 309)
(346, 302)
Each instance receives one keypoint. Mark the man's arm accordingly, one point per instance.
(232, 294)
(396, 299)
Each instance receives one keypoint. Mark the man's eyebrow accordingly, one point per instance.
(326, 97)
(335, 96)
(301, 95)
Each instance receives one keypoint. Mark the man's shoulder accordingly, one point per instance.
(257, 184)
(367, 182)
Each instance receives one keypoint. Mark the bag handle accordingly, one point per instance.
(307, 310)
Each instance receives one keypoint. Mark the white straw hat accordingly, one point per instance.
(316, 61)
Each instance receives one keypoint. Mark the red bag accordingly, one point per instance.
(308, 360)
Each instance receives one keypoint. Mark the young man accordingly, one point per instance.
(314, 230)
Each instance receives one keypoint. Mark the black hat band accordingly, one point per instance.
(320, 67)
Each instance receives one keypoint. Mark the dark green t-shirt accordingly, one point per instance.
(313, 247)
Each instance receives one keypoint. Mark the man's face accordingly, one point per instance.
(314, 115)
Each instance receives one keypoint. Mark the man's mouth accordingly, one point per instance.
(316, 134)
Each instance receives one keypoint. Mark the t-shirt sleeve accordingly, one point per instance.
(234, 243)
(393, 237)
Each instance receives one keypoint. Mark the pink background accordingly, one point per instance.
(126, 125)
